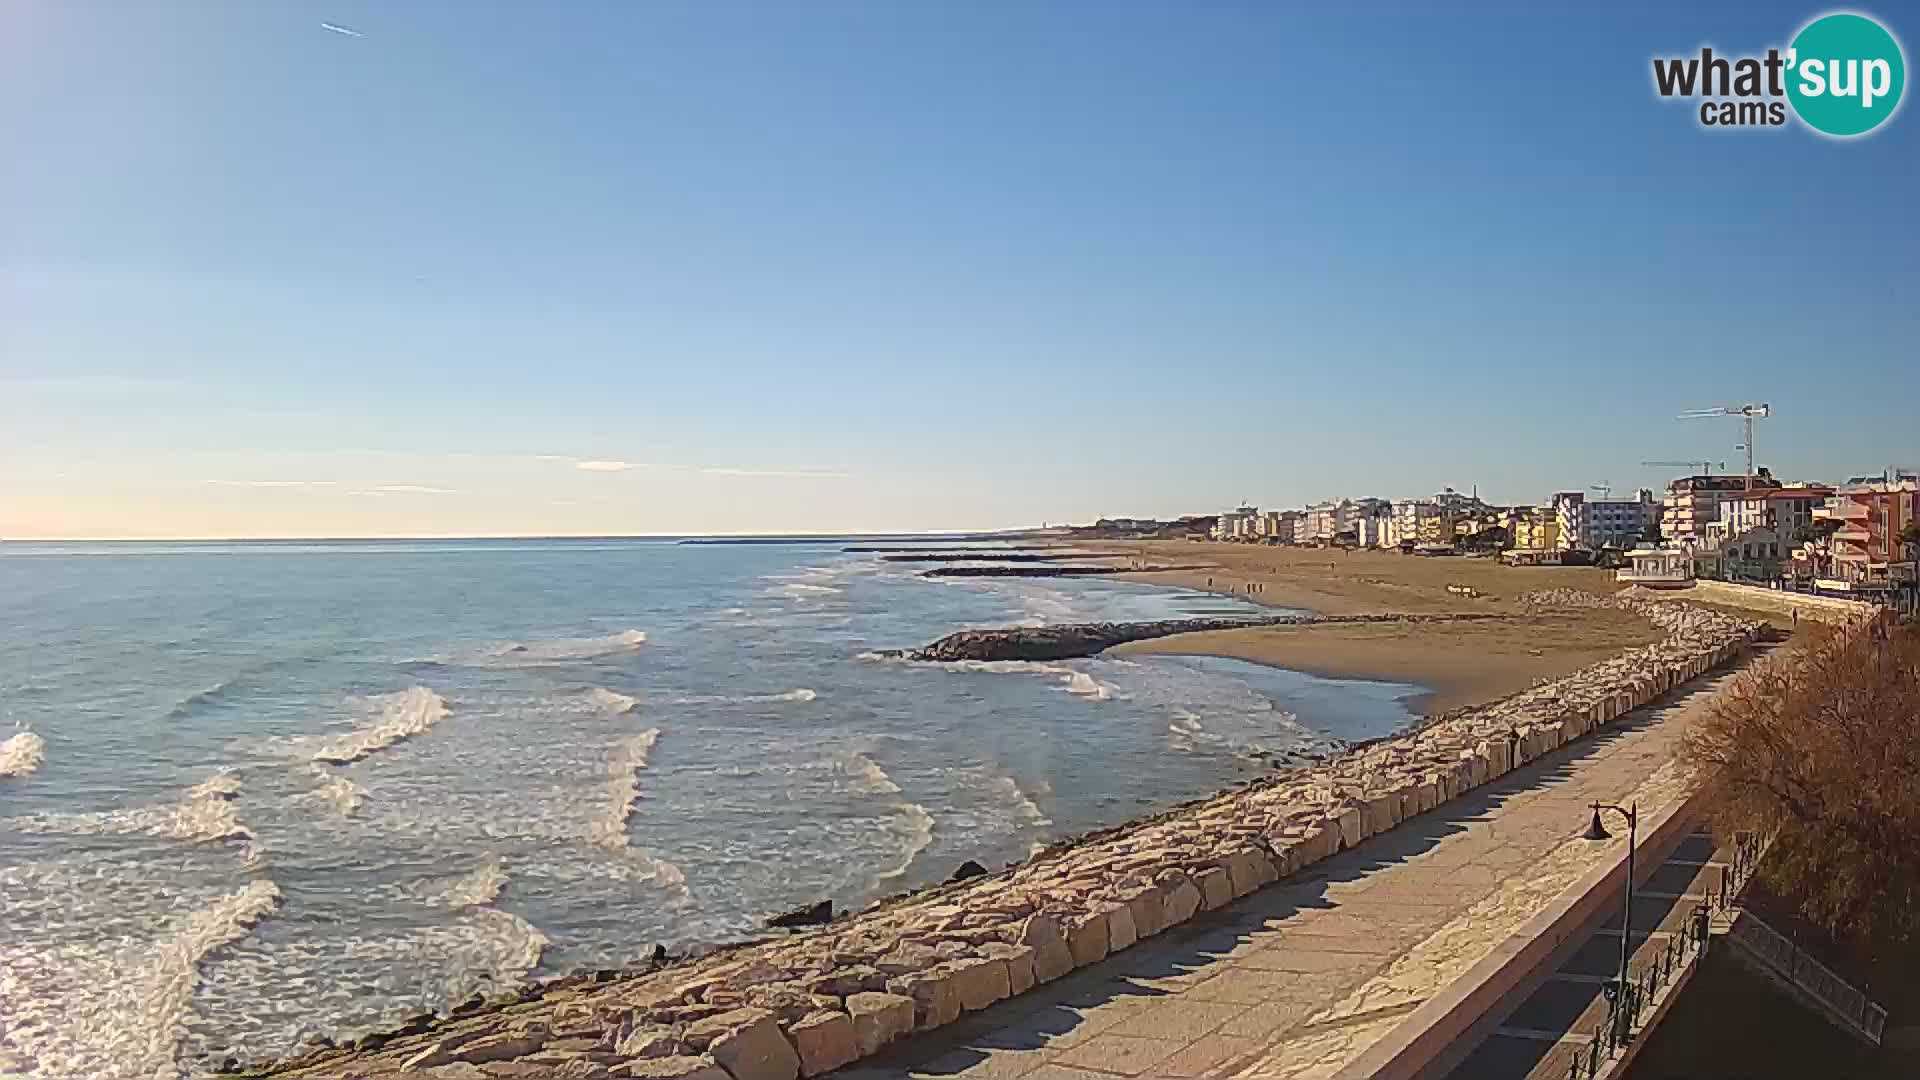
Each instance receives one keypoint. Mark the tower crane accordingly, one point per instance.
(1705, 467)
(1747, 413)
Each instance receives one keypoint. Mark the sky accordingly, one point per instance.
(724, 267)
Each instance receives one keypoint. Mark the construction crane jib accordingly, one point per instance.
(1747, 414)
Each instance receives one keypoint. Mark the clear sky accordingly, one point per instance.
(874, 266)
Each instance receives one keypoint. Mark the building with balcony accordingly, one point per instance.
(1536, 529)
(1694, 501)
(1604, 523)
(1871, 544)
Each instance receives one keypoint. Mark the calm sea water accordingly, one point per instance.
(286, 789)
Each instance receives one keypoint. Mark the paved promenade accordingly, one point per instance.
(1300, 978)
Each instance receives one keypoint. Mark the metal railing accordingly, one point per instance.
(1846, 1002)
(1649, 973)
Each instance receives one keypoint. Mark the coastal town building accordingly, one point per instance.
(1419, 521)
(1694, 501)
(1875, 541)
(1592, 524)
(1536, 529)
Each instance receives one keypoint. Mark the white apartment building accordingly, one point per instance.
(1693, 502)
(1597, 523)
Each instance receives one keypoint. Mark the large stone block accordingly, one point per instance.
(980, 981)
(1121, 933)
(936, 1001)
(1019, 961)
(1051, 956)
(679, 1067)
(1350, 827)
(1216, 888)
(1087, 937)
(1148, 908)
(1182, 899)
(878, 1019)
(753, 1047)
(1379, 813)
(825, 1041)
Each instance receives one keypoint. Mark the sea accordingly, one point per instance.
(257, 794)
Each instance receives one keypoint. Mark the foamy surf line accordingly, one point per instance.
(205, 813)
(798, 694)
(21, 754)
(402, 716)
(609, 830)
(554, 651)
(131, 1015)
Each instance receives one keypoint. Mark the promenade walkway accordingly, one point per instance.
(1300, 978)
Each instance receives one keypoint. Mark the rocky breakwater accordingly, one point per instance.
(1067, 641)
(821, 999)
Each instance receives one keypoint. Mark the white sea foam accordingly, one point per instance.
(205, 813)
(629, 756)
(801, 590)
(913, 827)
(557, 650)
(340, 790)
(611, 701)
(1024, 807)
(1081, 684)
(399, 717)
(798, 694)
(21, 754)
(476, 887)
(120, 1006)
(866, 777)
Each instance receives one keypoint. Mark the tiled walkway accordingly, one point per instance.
(1298, 979)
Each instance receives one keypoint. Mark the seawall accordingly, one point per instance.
(778, 1009)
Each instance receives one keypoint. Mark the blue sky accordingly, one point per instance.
(909, 265)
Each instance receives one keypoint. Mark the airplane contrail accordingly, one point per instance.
(341, 30)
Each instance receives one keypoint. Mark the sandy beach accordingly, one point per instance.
(1459, 663)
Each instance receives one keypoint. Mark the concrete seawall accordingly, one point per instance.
(814, 1002)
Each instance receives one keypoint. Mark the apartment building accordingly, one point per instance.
(1597, 523)
(1694, 501)
(1536, 529)
(1870, 547)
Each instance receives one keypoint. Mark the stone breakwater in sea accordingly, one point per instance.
(1067, 641)
(807, 1004)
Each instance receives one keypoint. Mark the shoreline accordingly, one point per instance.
(918, 960)
(1459, 664)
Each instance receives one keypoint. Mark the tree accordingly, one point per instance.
(1822, 749)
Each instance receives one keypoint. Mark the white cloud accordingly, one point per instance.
(605, 466)
(272, 483)
(404, 489)
(785, 474)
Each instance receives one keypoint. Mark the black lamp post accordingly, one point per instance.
(1598, 831)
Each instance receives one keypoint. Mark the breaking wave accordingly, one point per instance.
(205, 813)
(866, 777)
(341, 791)
(799, 694)
(913, 827)
(1081, 684)
(402, 716)
(21, 754)
(525, 654)
(475, 888)
(131, 1004)
(629, 756)
(611, 701)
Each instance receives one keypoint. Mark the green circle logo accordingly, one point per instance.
(1845, 74)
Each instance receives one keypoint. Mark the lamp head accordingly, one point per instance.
(1596, 830)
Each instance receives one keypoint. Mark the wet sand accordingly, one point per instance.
(1459, 663)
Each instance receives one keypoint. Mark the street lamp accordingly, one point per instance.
(1597, 830)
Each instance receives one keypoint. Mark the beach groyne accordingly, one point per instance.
(1068, 641)
(820, 999)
